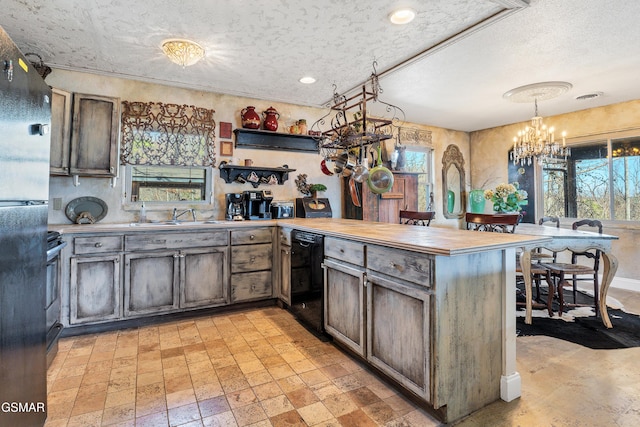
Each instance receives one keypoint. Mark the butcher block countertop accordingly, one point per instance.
(432, 240)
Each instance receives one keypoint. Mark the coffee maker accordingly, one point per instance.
(257, 204)
(235, 206)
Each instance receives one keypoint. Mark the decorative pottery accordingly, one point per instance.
(477, 201)
(302, 126)
(250, 119)
(451, 201)
(270, 116)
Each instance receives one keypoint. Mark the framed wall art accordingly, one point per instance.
(226, 148)
(225, 130)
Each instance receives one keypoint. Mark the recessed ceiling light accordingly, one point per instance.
(307, 80)
(402, 16)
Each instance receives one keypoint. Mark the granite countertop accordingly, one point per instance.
(432, 240)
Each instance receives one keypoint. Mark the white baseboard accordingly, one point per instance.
(624, 283)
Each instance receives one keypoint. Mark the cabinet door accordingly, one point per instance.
(94, 289)
(284, 291)
(60, 132)
(402, 196)
(94, 140)
(151, 282)
(398, 333)
(203, 280)
(344, 305)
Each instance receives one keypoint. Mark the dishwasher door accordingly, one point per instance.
(307, 280)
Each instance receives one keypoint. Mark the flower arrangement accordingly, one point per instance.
(507, 198)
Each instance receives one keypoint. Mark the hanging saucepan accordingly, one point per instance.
(380, 178)
(345, 164)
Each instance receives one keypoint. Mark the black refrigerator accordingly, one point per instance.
(25, 116)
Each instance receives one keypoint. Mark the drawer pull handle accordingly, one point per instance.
(98, 245)
(341, 251)
(252, 237)
(287, 252)
(252, 259)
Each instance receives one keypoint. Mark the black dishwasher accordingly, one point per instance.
(307, 280)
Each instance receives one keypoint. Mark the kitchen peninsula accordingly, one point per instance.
(430, 308)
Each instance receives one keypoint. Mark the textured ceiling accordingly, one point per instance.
(447, 68)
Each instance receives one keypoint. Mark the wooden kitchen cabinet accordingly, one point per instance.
(94, 289)
(344, 304)
(398, 332)
(382, 207)
(94, 279)
(203, 277)
(94, 136)
(283, 278)
(151, 282)
(61, 102)
(251, 264)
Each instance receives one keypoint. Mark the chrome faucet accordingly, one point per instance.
(177, 215)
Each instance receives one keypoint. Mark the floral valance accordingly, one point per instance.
(154, 133)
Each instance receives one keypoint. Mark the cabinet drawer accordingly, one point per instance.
(251, 258)
(152, 241)
(344, 250)
(96, 244)
(251, 236)
(250, 286)
(410, 266)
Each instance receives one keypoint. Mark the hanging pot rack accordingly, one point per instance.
(362, 130)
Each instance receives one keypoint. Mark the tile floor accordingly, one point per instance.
(261, 368)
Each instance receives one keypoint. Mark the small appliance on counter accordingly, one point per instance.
(310, 207)
(235, 206)
(281, 209)
(257, 204)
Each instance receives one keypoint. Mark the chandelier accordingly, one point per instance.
(182, 52)
(538, 141)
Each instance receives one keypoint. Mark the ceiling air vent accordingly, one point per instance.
(588, 96)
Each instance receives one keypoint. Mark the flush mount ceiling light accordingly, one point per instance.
(537, 140)
(402, 16)
(182, 52)
(307, 80)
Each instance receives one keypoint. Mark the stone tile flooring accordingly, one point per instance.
(261, 368)
(250, 368)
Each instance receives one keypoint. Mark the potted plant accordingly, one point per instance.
(314, 188)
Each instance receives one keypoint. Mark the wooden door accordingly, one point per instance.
(94, 289)
(344, 305)
(151, 282)
(402, 196)
(203, 277)
(398, 333)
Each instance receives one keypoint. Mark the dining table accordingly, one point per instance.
(563, 239)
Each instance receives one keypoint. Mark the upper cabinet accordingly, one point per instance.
(92, 147)
(60, 131)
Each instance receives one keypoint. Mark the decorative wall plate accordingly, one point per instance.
(97, 208)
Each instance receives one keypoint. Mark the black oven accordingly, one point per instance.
(307, 280)
(52, 301)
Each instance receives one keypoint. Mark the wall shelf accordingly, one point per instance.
(267, 140)
(240, 174)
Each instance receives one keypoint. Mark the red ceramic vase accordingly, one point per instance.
(250, 119)
(271, 117)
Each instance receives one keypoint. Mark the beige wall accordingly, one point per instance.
(489, 150)
(227, 109)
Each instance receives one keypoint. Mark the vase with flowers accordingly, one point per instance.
(507, 198)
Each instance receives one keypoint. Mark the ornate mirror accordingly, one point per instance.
(454, 199)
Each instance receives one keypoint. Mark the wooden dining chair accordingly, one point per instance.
(416, 218)
(576, 272)
(497, 223)
(538, 255)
